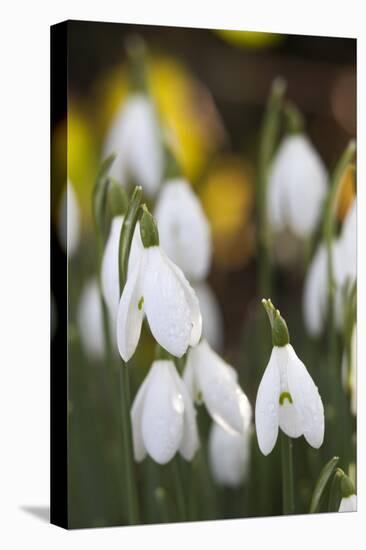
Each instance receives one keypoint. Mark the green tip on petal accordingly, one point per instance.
(280, 334)
(148, 228)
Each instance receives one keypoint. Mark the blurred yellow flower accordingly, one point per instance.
(186, 108)
(82, 157)
(228, 199)
(251, 39)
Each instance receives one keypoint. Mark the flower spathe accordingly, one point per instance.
(184, 230)
(213, 381)
(287, 398)
(163, 417)
(135, 137)
(229, 456)
(157, 288)
(297, 186)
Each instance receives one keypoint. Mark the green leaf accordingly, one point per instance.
(321, 484)
(335, 492)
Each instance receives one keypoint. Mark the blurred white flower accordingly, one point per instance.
(348, 504)
(229, 455)
(288, 398)
(210, 379)
(69, 221)
(163, 417)
(110, 270)
(212, 324)
(297, 187)
(315, 296)
(157, 288)
(135, 137)
(90, 320)
(184, 229)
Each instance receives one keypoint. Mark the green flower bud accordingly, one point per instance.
(148, 228)
(280, 334)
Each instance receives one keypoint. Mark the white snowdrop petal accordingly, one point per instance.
(212, 324)
(163, 414)
(184, 230)
(306, 399)
(170, 304)
(130, 314)
(315, 293)
(228, 456)
(267, 406)
(136, 250)
(348, 504)
(289, 420)
(297, 186)
(90, 321)
(190, 439)
(221, 393)
(109, 270)
(136, 416)
(135, 137)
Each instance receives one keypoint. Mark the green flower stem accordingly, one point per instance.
(181, 504)
(288, 500)
(269, 136)
(124, 251)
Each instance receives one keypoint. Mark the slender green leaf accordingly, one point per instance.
(321, 484)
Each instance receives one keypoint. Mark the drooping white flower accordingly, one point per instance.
(210, 379)
(315, 297)
(288, 399)
(90, 320)
(297, 187)
(348, 504)
(110, 270)
(69, 221)
(212, 324)
(229, 454)
(135, 137)
(184, 229)
(163, 417)
(157, 288)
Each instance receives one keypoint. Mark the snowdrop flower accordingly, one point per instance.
(184, 229)
(69, 221)
(135, 137)
(210, 379)
(90, 321)
(229, 456)
(163, 417)
(212, 324)
(297, 187)
(109, 269)
(349, 498)
(315, 297)
(157, 288)
(287, 396)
